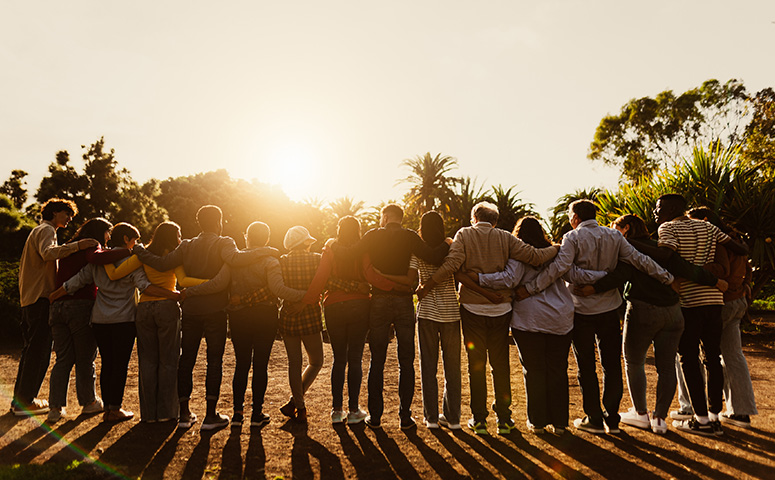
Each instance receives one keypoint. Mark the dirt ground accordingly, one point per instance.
(29, 449)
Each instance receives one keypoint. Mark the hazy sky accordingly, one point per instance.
(327, 98)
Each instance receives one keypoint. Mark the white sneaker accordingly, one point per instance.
(356, 417)
(94, 407)
(338, 416)
(431, 425)
(633, 418)
(55, 414)
(658, 425)
(446, 423)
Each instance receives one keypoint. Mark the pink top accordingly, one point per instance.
(328, 268)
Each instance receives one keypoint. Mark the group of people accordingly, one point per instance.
(685, 292)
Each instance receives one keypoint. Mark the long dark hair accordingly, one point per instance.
(432, 228)
(637, 226)
(529, 230)
(93, 228)
(120, 231)
(348, 232)
(164, 239)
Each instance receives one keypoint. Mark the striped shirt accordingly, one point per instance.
(299, 269)
(695, 241)
(440, 305)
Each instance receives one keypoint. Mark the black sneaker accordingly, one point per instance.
(289, 409)
(408, 423)
(236, 419)
(715, 425)
(585, 425)
(693, 426)
(259, 419)
(736, 420)
(372, 423)
(214, 422)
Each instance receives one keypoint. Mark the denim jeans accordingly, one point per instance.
(738, 390)
(74, 345)
(487, 338)
(544, 359)
(115, 342)
(601, 329)
(347, 324)
(429, 335)
(702, 326)
(645, 324)
(36, 352)
(158, 352)
(253, 330)
(387, 311)
(212, 327)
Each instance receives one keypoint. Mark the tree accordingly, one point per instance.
(431, 186)
(467, 194)
(652, 133)
(344, 206)
(759, 146)
(510, 207)
(15, 188)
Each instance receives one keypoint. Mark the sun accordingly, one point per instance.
(292, 165)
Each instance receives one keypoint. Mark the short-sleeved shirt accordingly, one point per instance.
(440, 305)
(695, 241)
(299, 269)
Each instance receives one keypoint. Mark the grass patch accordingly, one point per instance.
(76, 470)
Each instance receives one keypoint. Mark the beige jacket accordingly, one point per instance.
(484, 249)
(38, 266)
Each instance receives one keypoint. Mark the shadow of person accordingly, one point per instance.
(197, 461)
(305, 448)
(357, 458)
(8, 452)
(255, 457)
(437, 462)
(231, 457)
(521, 446)
(165, 455)
(53, 436)
(695, 448)
(398, 461)
(81, 447)
(472, 465)
(374, 461)
(136, 448)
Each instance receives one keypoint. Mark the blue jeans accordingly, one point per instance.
(74, 345)
(645, 324)
(347, 324)
(487, 338)
(601, 329)
(738, 390)
(158, 352)
(36, 352)
(387, 311)
(430, 335)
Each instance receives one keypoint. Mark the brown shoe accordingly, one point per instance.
(117, 415)
(289, 409)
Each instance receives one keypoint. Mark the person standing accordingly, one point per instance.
(696, 241)
(203, 316)
(70, 319)
(37, 279)
(596, 319)
(482, 248)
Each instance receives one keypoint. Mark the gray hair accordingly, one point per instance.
(485, 212)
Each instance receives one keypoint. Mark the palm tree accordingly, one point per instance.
(344, 206)
(510, 207)
(558, 223)
(467, 194)
(431, 186)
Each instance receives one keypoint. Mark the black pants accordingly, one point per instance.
(211, 326)
(115, 342)
(604, 330)
(702, 325)
(253, 330)
(347, 323)
(36, 353)
(544, 359)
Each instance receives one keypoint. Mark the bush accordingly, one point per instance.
(9, 299)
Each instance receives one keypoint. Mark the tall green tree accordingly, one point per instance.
(652, 133)
(559, 224)
(15, 188)
(510, 207)
(430, 183)
(467, 194)
(759, 146)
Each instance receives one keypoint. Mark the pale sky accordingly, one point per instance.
(327, 98)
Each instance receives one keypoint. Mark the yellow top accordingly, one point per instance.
(165, 280)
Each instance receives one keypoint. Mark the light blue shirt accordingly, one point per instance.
(116, 300)
(549, 311)
(592, 247)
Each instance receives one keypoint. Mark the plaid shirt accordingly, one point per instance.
(299, 269)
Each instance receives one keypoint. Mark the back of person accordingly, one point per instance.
(695, 241)
(299, 269)
(549, 311)
(390, 248)
(203, 260)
